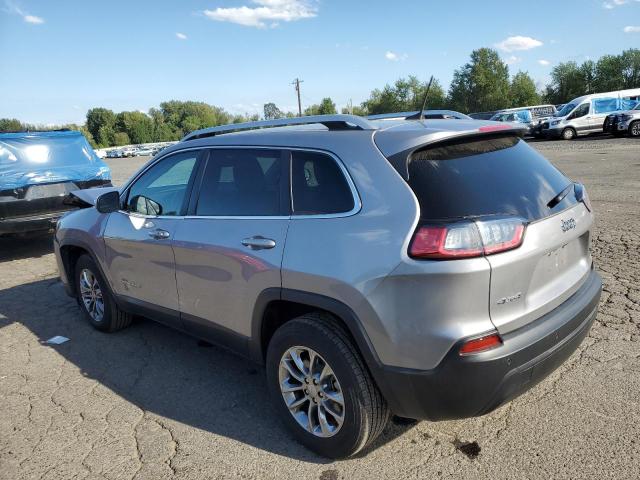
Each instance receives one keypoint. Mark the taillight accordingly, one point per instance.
(467, 239)
(481, 344)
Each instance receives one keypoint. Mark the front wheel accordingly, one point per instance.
(96, 300)
(321, 388)
(634, 129)
(568, 134)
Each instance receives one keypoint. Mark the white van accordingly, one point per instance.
(585, 115)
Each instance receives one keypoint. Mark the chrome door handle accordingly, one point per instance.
(159, 234)
(258, 243)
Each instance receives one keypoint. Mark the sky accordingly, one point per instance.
(60, 58)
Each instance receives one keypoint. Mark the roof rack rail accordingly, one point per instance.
(332, 122)
(415, 114)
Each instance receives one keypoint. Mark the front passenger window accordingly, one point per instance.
(581, 111)
(162, 189)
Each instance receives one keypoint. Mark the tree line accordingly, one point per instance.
(482, 84)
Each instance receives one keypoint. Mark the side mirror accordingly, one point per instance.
(146, 206)
(108, 202)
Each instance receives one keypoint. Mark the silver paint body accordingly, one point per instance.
(412, 311)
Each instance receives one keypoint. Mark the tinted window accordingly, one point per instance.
(240, 182)
(485, 177)
(318, 185)
(581, 111)
(162, 189)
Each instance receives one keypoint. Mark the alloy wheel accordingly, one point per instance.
(311, 391)
(91, 295)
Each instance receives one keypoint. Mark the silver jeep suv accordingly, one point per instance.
(428, 269)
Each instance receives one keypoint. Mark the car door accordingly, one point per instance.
(139, 254)
(229, 248)
(580, 119)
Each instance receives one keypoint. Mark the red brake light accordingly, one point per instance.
(431, 242)
(493, 128)
(467, 239)
(481, 344)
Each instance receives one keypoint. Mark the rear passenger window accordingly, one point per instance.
(239, 182)
(318, 185)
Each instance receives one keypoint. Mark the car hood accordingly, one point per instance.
(89, 196)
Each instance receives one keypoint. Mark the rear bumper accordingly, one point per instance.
(31, 223)
(468, 386)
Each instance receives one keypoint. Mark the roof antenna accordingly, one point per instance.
(424, 102)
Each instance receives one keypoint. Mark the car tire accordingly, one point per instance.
(95, 298)
(634, 129)
(568, 134)
(363, 410)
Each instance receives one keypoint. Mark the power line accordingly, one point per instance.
(297, 83)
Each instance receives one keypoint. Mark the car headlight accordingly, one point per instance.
(555, 122)
(626, 117)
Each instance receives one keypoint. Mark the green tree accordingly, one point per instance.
(271, 111)
(403, 96)
(105, 135)
(522, 91)
(355, 110)
(325, 107)
(567, 82)
(631, 68)
(97, 118)
(608, 73)
(121, 138)
(482, 84)
(137, 125)
(589, 73)
(10, 125)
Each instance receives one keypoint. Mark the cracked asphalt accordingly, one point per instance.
(150, 403)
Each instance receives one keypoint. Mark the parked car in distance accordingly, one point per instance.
(37, 171)
(128, 152)
(144, 152)
(431, 269)
(531, 117)
(114, 153)
(586, 114)
(482, 115)
(624, 123)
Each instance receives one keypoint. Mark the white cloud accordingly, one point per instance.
(518, 42)
(181, 36)
(269, 12)
(12, 8)
(632, 29)
(395, 57)
(33, 19)
(512, 60)
(544, 63)
(609, 5)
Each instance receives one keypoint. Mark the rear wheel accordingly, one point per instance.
(321, 388)
(96, 300)
(568, 134)
(634, 129)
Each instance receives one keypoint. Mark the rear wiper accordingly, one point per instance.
(559, 197)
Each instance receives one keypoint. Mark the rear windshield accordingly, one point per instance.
(488, 176)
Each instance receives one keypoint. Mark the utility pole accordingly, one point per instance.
(297, 83)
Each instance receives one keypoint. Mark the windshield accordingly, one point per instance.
(566, 110)
(637, 107)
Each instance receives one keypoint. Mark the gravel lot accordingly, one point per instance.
(152, 403)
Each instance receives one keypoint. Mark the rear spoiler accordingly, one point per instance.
(400, 161)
